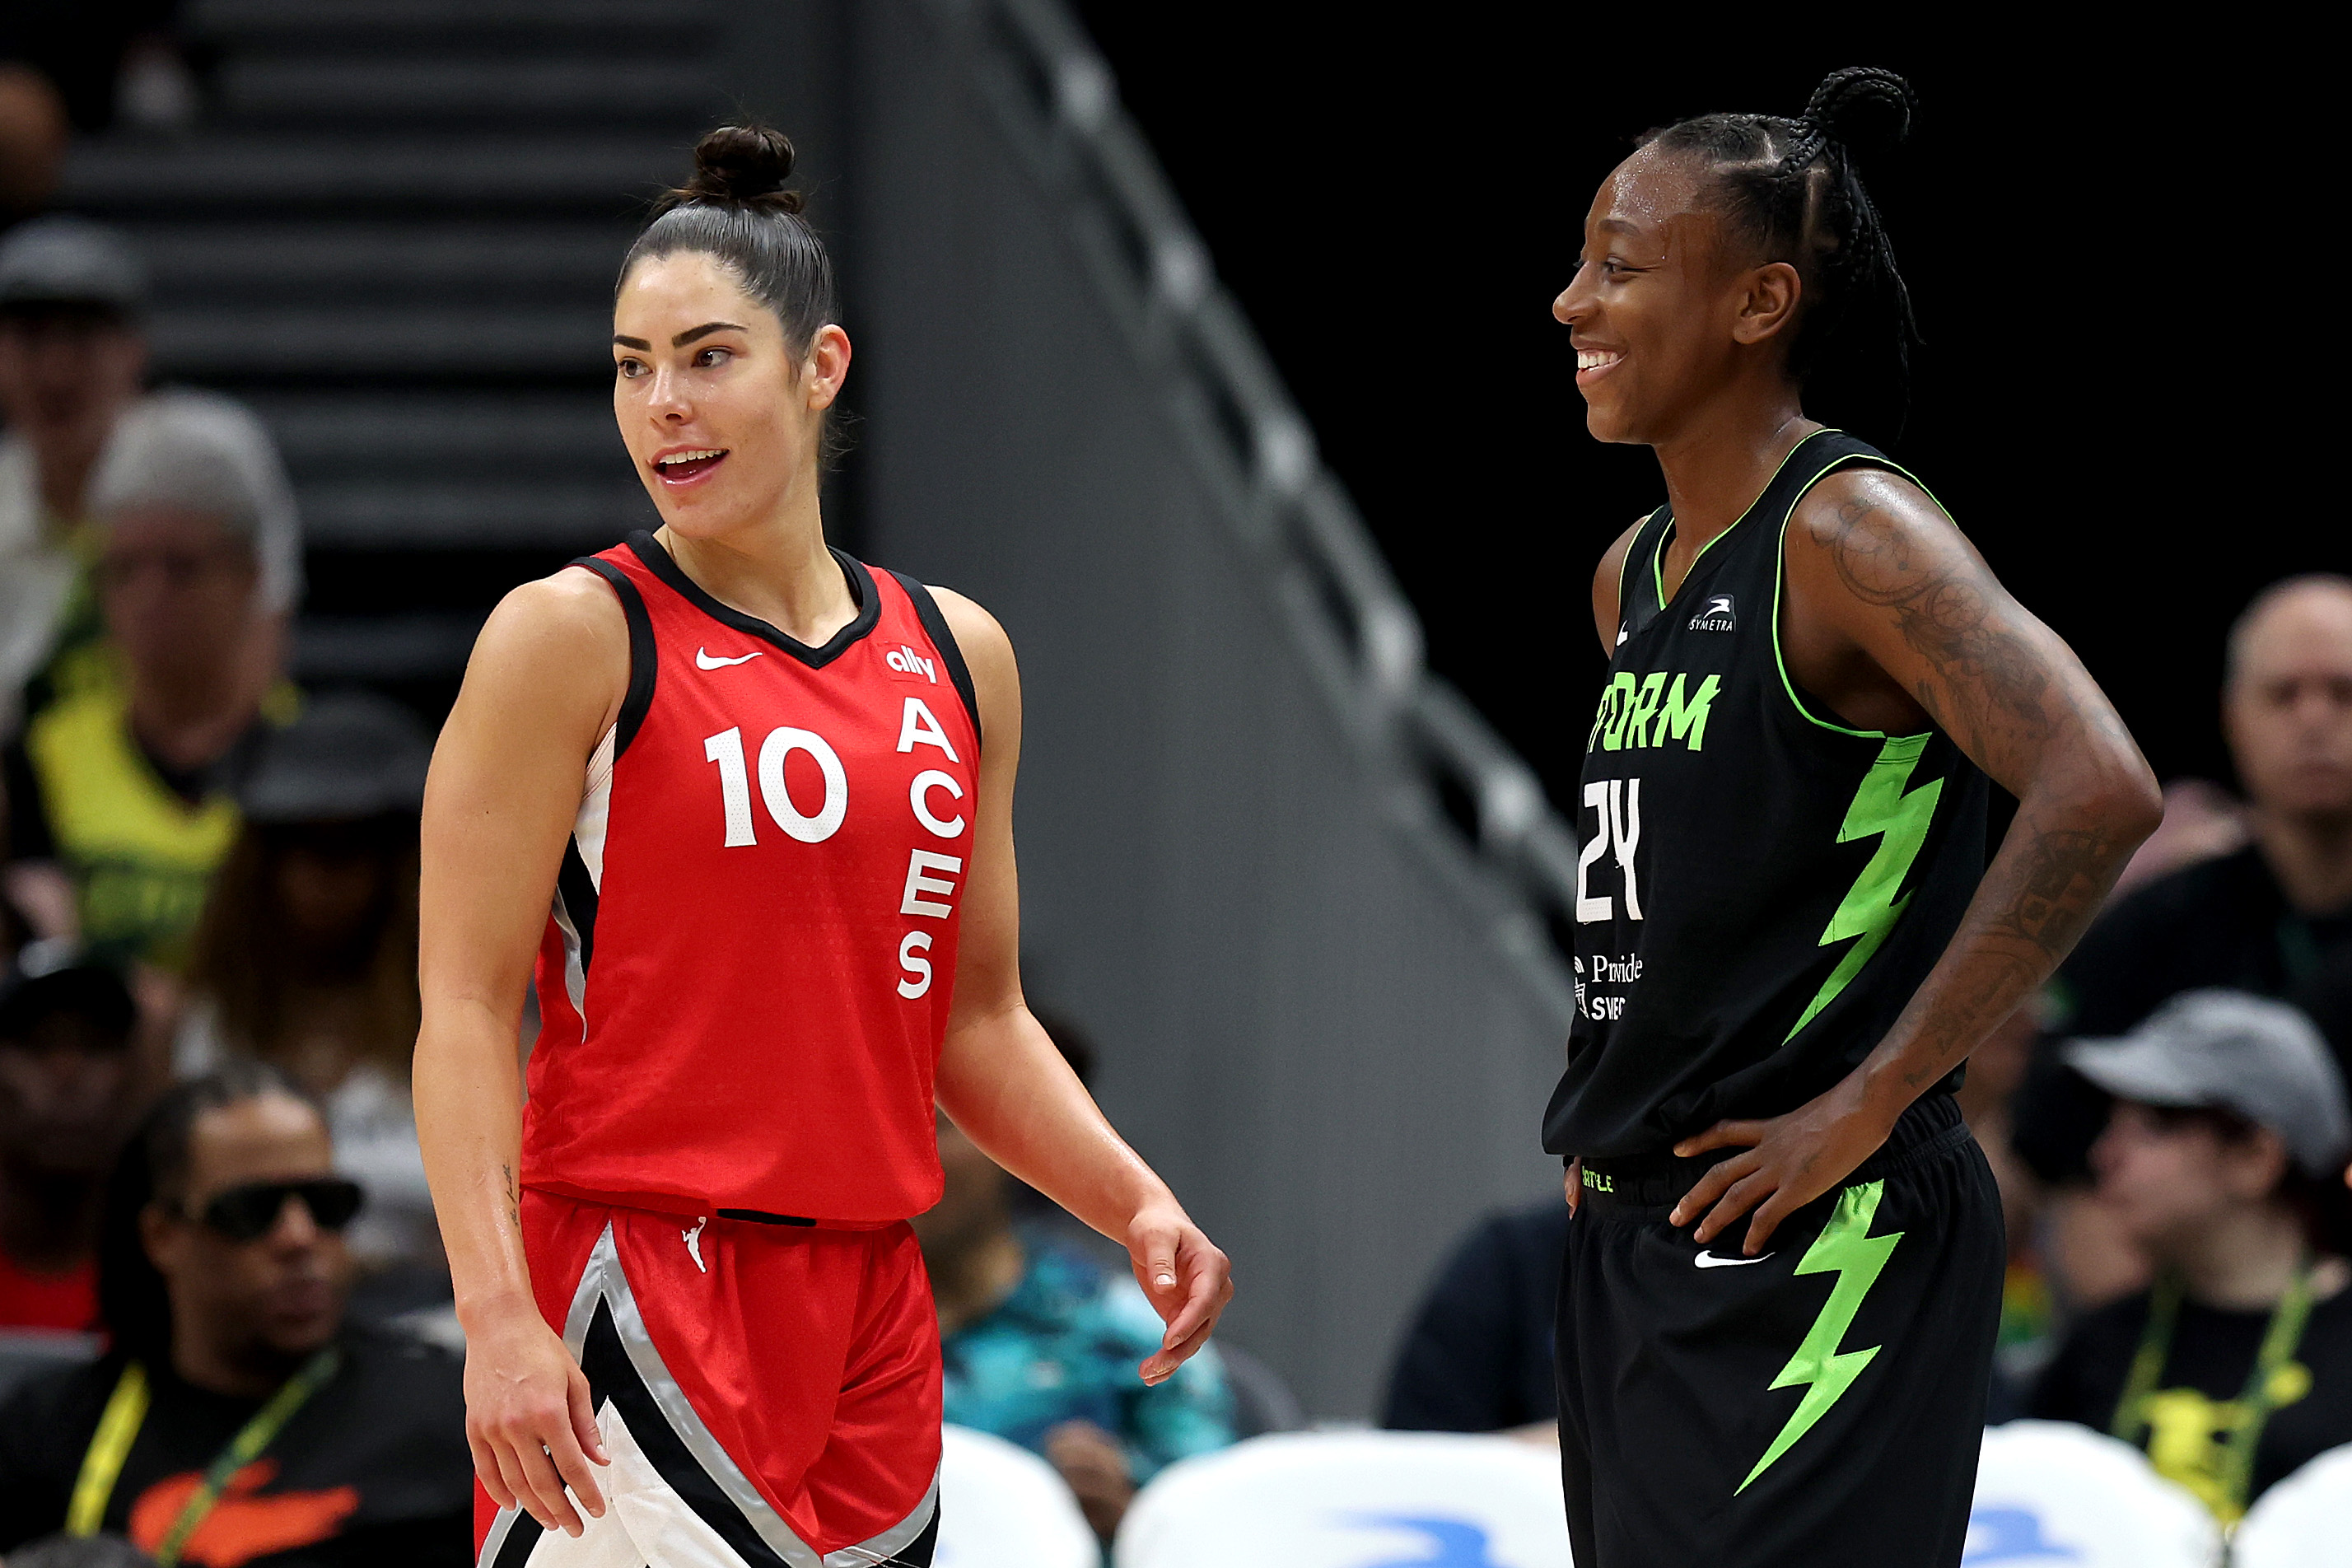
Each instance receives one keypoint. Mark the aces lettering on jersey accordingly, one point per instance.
(934, 800)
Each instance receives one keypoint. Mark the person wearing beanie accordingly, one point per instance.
(126, 788)
(2223, 1162)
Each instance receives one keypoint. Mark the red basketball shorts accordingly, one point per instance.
(769, 1394)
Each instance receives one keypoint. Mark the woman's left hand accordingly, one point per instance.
(1187, 1280)
(1790, 1161)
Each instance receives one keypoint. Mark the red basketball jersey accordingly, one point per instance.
(745, 979)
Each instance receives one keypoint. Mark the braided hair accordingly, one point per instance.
(1792, 188)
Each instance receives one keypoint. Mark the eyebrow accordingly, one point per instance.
(683, 337)
(1618, 226)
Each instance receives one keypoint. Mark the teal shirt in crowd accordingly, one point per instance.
(1063, 1347)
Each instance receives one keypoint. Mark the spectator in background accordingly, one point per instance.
(222, 1277)
(2222, 1160)
(2265, 918)
(72, 358)
(1041, 1343)
(33, 132)
(306, 956)
(123, 794)
(1478, 1355)
(69, 1091)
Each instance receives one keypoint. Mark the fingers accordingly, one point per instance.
(1163, 1366)
(1575, 1182)
(1742, 1196)
(1711, 1185)
(583, 1420)
(547, 1486)
(486, 1466)
(1155, 1264)
(1211, 1288)
(1768, 1216)
(511, 1474)
(1722, 1135)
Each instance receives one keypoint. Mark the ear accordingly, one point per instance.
(1768, 302)
(2253, 1169)
(827, 366)
(166, 1240)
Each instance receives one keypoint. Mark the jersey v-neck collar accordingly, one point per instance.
(1667, 534)
(662, 564)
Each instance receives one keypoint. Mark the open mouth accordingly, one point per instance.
(685, 466)
(1595, 362)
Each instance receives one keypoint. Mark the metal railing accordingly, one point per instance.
(1058, 106)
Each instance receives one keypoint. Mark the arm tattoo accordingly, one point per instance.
(514, 1196)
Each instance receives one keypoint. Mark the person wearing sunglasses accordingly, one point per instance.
(238, 1416)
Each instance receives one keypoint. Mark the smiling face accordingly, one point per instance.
(723, 420)
(1667, 308)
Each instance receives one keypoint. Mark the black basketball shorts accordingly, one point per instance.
(1821, 1405)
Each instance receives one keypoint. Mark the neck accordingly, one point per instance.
(1723, 455)
(972, 1282)
(49, 1223)
(2241, 1261)
(778, 570)
(2311, 856)
(244, 1371)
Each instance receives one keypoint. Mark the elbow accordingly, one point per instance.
(2125, 800)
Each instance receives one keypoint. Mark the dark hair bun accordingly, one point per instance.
(1864, 109)
(744, 166)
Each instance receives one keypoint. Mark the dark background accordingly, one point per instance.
(2105, 240)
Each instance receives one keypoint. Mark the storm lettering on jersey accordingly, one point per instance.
(1652, 710)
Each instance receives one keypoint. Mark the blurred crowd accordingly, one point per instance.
(2168, 1124)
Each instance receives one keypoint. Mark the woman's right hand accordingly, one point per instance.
(529, 1421)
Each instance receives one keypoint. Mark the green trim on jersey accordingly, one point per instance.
(1845, 1247)
(1658, 551)
(1899, 820)
(1780, 578)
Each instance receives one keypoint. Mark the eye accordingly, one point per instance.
(713, 357)
(629, 369)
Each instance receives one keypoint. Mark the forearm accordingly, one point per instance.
(1004, 1083)
(2060, 857)
(468, 1089)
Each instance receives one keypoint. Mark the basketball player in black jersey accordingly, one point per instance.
(1783, 1279)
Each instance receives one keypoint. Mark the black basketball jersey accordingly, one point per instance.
(1759, 889)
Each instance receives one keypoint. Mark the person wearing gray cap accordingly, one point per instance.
(305, 958)
(2222, 1160)
(72, 358)
(124, 786)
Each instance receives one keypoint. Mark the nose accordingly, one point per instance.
(295, 1227)
(667, 402)
(1574, 303)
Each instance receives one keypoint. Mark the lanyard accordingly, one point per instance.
(2280, 1340)
(126, 1411)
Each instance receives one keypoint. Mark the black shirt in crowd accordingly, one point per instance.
(2198, 1394)
(1478, 1356)
(2220, 922)
(372, 1469)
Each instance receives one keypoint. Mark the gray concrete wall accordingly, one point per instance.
(1313, 1017)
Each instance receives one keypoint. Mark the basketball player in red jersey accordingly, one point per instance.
(767, 793)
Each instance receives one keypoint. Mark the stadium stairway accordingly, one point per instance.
(393, 233)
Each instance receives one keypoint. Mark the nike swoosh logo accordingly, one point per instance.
(704, 662)
(1621, 636)
(1713, 1260)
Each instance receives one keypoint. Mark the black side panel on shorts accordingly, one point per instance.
(578, 891)
(612, 1375)
(926, 610)
(642, 663)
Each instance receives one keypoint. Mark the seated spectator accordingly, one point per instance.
(126, 792)
(1042, 1343)
(222, 1278)
(69, 1091)
(1478, 1355)
(306, 956)
(2222, 1160)
(33, 134)
(72, 358)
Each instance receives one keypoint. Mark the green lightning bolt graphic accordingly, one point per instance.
(1901, 821)
(1846, 1248)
